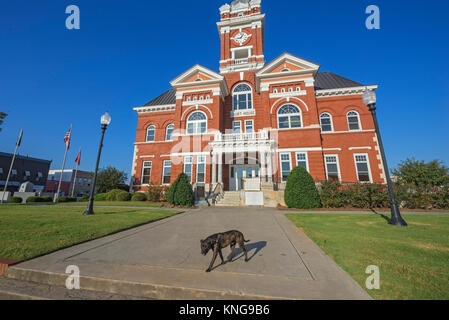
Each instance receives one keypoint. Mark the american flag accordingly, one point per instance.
(67, 138)
(78, 158)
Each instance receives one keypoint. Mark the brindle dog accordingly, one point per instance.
(219, 241)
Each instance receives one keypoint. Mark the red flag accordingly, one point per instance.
(78, 158)
(67, 138)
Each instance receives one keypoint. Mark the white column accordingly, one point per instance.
(220, 167)
(213, 163)
(263, 171)
(270, 167)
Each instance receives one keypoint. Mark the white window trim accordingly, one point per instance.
(358, 118)
(143, 168)
(289, 115)
(307, 159)
(243, 92)
(338, 166)
(166, 131)
(197, 164)
(163, 169)
(146, 136)
(191, 166)
(280, 163)
(240, 126)
(332, 122)
(196, 121)
(252, 125)
(369, 167)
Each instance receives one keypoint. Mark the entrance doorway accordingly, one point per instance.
(239, 173)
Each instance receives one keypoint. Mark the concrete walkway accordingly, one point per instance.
(162, 260)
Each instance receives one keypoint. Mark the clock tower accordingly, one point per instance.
(242, 36)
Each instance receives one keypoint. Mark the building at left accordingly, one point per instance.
(25, 169)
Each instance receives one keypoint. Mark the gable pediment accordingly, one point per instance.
(197, 75)
(288, 64)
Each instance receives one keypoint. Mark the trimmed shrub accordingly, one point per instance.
(123, 196)
(15, 200)
(171, 192)
(139, 196)
(32, 200)
(66, 199)
(300, 191)
(180, 192)
(112, 195)
(184, 193)
(46, 199)
(155, 193)
(100, 197)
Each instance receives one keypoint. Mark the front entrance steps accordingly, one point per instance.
(230, 199)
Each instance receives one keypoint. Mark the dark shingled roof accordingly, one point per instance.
(329, 80)
(169, 97)
(323, 81)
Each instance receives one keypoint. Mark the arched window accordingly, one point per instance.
(242, 97)
(285, 70)
(326, 122)
(151, 131)
(353, 121)
(289, 116)
(197, 123)
(169, 132)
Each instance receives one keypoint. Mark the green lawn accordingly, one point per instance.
(115, 203)
(413, 261)
(31, 231)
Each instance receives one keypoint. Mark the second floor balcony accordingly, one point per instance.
(242, 136)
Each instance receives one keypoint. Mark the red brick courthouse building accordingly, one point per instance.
(238, 133)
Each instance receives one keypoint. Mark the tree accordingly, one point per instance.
(2, 116)
(300, 191)
(180, 192)
(419, 173)
(110, 178)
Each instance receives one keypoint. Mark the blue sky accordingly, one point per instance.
(126, 52)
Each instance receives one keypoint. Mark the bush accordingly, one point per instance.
(84, 198)
(32, 200)
(300, 191)
(100, 197)
(46, 199)
(123, 196)
(112, 195)
(155, 193)
(15, 200)
(180, 192)
(139, 196)
(66, 199)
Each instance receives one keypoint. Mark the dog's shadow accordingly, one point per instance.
(256, 247)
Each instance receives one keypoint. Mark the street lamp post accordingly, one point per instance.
(369, 98)
(105, 121)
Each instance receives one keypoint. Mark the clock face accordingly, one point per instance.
(241, 37)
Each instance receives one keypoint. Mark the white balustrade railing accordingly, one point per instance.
(241, 61)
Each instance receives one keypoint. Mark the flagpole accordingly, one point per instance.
(12, 164)
(62, 172)
(76, 172)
